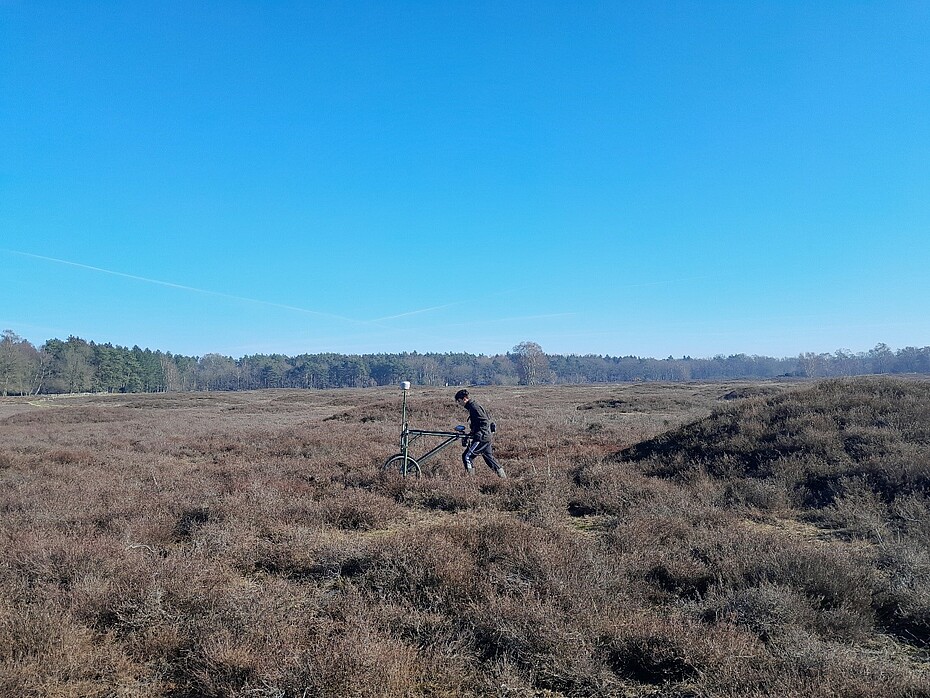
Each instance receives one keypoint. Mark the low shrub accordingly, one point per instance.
(234, 545)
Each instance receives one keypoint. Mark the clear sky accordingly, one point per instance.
(648, 178)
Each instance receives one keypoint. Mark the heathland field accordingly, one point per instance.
(679, 540)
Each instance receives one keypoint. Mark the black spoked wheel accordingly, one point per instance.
(396, 464)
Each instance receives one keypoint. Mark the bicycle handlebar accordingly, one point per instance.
(431, 432)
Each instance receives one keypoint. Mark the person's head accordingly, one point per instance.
(461, 397)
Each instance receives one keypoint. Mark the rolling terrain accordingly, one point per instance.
(661, 539)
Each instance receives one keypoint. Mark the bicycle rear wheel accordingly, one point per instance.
(396, 464)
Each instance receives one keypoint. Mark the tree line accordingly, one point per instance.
(75, 365)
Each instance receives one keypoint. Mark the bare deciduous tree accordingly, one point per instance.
(11, 363)
(532, 363)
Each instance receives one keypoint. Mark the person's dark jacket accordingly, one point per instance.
(479, 420)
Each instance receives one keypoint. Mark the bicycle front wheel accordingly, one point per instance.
(396, 464)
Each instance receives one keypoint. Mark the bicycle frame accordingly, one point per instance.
(408, 436)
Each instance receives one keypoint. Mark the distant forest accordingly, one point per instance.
(78, 366)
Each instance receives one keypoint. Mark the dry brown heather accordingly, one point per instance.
(246, 544)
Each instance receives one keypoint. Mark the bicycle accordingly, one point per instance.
(403, 462)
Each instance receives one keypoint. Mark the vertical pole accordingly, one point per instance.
(403, 425)
(404, 436)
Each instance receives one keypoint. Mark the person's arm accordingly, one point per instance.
(474, 421)
(481, 427)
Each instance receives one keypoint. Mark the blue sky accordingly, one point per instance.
(648, 178)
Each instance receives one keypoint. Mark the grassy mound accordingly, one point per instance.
(817, 444)
(849, 457)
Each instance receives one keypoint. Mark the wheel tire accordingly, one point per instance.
(396, 464)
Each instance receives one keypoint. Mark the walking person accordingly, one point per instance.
(480, 442)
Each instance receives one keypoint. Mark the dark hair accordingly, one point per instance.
(462, 394)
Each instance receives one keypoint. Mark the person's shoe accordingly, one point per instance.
(469, 469)
(500, 473)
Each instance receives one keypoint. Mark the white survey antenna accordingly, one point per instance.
(405, 385)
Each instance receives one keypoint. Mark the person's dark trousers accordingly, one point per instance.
(486, 451)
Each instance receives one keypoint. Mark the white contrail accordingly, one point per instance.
(418, 312)
(485, 296)
(644, 284)
(182, 287)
